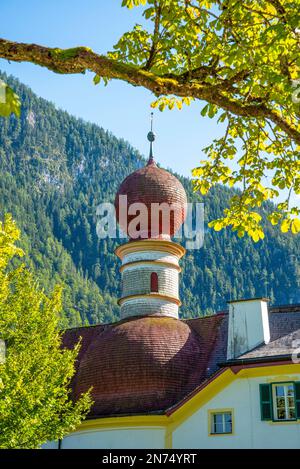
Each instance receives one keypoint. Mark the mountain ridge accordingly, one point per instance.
(56, 169)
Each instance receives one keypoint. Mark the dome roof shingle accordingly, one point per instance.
(153, 185)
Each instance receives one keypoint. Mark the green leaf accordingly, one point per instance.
(295, 226)
(96, 79)
(204, 110)
(212, 110)
(285, 225)
(9, 101)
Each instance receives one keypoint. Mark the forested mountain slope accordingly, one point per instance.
(55, 170)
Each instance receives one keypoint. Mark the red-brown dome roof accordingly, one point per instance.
(153, 185)
(139, 365)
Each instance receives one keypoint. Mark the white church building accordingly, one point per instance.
(231, 380)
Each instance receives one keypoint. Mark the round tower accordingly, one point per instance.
(150, 359)
(150, 260)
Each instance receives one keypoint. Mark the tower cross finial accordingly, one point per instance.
(151, 138)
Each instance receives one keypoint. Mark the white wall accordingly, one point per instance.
(162, 256)
(131, 438)
(249, 430)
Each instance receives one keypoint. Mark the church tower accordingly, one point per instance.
(150, 260)
(149, 360)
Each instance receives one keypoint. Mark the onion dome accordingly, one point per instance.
(162, 195)
(140, 365)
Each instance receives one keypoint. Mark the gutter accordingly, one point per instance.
(249, 361)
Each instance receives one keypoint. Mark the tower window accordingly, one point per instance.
(154, 282)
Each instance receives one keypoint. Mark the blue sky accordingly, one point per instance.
(119, 107)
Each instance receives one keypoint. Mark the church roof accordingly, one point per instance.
(153, 185)
(141, 365)
(285, 334)
(148, 365)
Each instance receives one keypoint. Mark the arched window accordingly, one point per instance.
(154, 282)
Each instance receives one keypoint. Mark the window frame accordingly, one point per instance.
(212, 413)
(154, 282)
(273, 402)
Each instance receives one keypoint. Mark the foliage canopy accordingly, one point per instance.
(35, 372)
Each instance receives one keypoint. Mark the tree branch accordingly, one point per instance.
(153, 49)
(80, 59)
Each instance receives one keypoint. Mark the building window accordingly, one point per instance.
(154, 282)
(220, 423)
(284, 401)
(280, 401)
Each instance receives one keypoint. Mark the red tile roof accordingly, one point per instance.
(142, 365)
(150, 364)
(153, 185)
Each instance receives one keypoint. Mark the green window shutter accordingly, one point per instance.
(297, 398)
(266, 401)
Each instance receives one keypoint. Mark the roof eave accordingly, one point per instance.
(253, 360)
